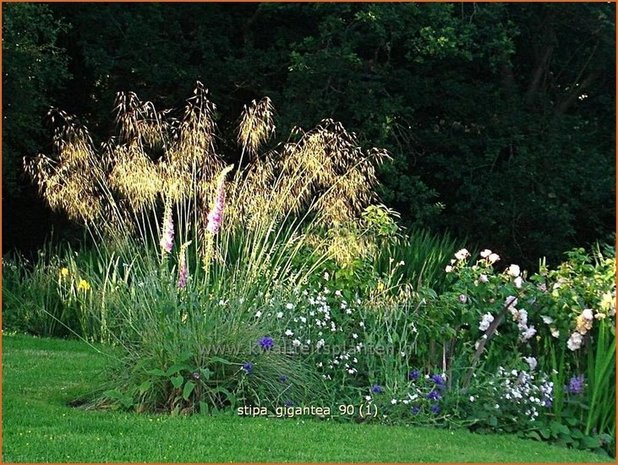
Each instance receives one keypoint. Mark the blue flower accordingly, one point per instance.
(283, 379)
(247, 367)
(576, 385)
(414, 375)
(376, 389)
(438, 379)
(435, 409)
(434, 395)
(267, 343)
(415, 409)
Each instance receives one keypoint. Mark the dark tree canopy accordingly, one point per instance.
(499, 117)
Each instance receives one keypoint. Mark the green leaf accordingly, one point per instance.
(221, 360)
(559, 428)
(156, 372)
(145, 386)
(177, 367)
(188, 389)
(177, 381)
(204, 408)
(534, 435)
(590, 442)
(206, 373)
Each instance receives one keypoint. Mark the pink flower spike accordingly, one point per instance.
(183, 272)
(167, 236)
(215, 217)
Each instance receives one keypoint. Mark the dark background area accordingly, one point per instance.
(499, 117)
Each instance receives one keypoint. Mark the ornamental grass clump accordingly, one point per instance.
(190, 249)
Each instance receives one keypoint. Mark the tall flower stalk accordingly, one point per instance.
(215, 216)
(183, 272)
(167, 233)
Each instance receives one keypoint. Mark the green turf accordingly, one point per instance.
(40, 377)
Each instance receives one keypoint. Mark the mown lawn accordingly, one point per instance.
(41, 376)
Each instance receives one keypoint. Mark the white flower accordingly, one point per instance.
(326, 275)
(547, 319)
(348, 311)
(554, 332)
(303, 319)
(355, 336)
(472, 399)
(523, 317)
(518, 282)
(319, 364)
(289, 332)
(510, 301)
(575, 341)
(362, 324)
(485, 253)
(497, 406)
(513, 270)
(532, 363)
(493, 258)
(462, 254)
(528, 333)
(338, 293)
(279, 315)
(463, 298)
(406, 401)
(258, 314)
(289, 306)
(486, 321)
(483, 278)
(587, 314)
(367, 397)
(448, 268)
(393, 401)
(295, 342)
(352, 371)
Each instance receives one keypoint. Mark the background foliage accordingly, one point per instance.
(499, 117)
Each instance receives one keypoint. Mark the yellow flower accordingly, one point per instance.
(583, 325)
(83, 285)
(64, 272)
(380, 286)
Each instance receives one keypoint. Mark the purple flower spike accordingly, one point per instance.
(414, 375)
(576, 385)
(266, 343)
(247, 367)
(438, 379)
(434, 395)
(376, 389)
(435, 409)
